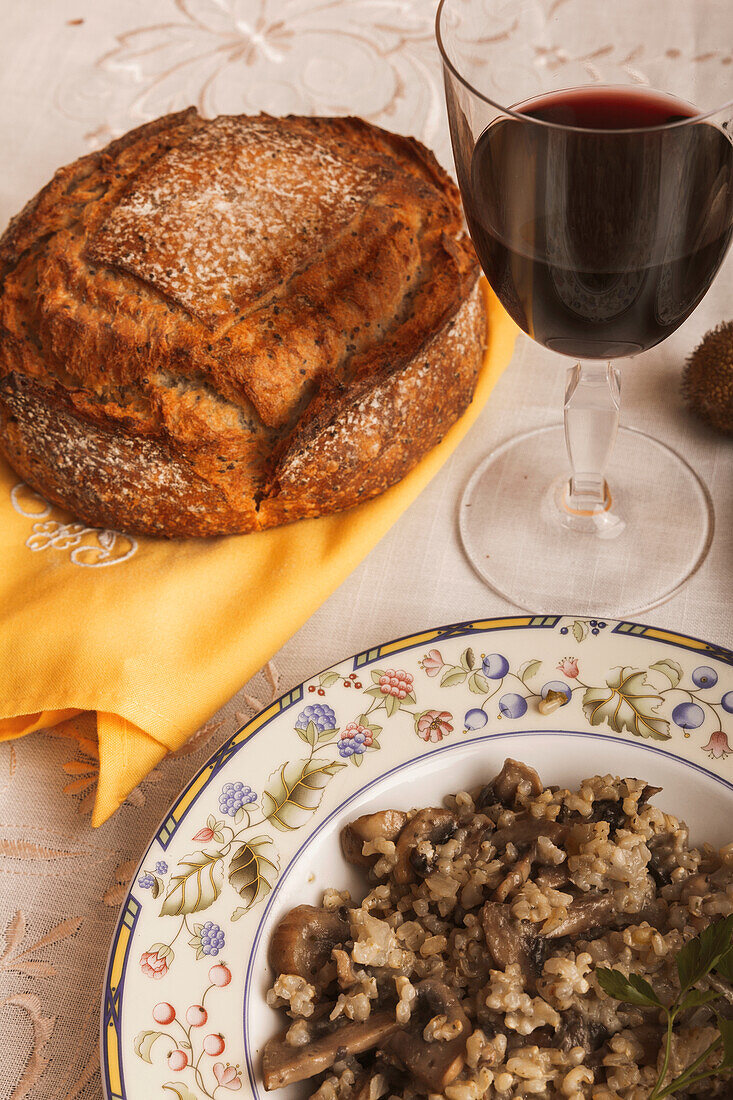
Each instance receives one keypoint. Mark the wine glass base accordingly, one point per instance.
(624, 559)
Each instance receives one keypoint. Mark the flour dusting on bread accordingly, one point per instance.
(222, 218)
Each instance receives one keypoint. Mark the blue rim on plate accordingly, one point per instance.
(670, 698)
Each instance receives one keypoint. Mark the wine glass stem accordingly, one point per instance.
(592, 401)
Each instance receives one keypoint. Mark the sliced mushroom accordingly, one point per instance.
(526, 830)
(647, 793)
(434, 1064)
(434, 825)
(386, 824)
(552, 877)
(303, 941)
(512, 941)
(504, 787)
(663, 858)
(605, 809)
(579, 1030)
(585, 913)
(283, 1064)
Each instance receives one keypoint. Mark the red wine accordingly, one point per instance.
(600, 237)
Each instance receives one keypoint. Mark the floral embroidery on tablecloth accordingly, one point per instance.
(89, 547)
(246, 56)
(18, 958)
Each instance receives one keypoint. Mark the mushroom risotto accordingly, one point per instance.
(469, 968)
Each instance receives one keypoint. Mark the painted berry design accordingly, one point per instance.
(196, 1015)
(512, 705)
(186, 1048)
(320, 714)
(208, 939)
(559, 686)
(354, 738)
(688, 716)
(475, 718)
(220, 975)
(161, 867)
(234, 796)
(214, 1044)
(396, 682)
(164, 1013)
(495, 666)
(146, 881)
(704, 677)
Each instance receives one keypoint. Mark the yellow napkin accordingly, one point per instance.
(154, 636)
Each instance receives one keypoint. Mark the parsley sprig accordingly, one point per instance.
(709, 952)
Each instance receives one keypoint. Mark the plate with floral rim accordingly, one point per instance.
(256, 830)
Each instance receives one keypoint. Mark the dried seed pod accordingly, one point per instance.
(707, 383)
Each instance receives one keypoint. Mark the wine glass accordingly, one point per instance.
(595, 166)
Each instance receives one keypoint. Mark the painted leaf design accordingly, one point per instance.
(253, 870)
(157, 886)
(311, 734)
(144, 1042)
(179, 1090)
(580, 630)
(528, 669)
(196, 885)
(467, 659)
(377, 675)
(670, 669)
(627, 704)
(296, 790)
(477, 683)
(328, 679)
(454, 675)
(391, 704)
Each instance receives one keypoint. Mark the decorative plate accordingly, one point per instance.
(256, 831)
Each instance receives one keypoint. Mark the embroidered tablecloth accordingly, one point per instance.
(74, 74)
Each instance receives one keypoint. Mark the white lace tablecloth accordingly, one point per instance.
(73, 74)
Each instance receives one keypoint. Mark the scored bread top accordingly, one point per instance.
(231, 212)
(215, 287)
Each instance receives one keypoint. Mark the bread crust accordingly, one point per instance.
(160, 375)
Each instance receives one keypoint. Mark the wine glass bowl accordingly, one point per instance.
(596, 171)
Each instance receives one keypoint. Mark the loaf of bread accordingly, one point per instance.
(219, 326)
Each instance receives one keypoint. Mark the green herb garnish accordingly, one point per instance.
(708, 952)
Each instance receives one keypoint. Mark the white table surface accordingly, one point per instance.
(73, 74)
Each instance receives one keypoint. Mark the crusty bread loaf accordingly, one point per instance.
(218, 326)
